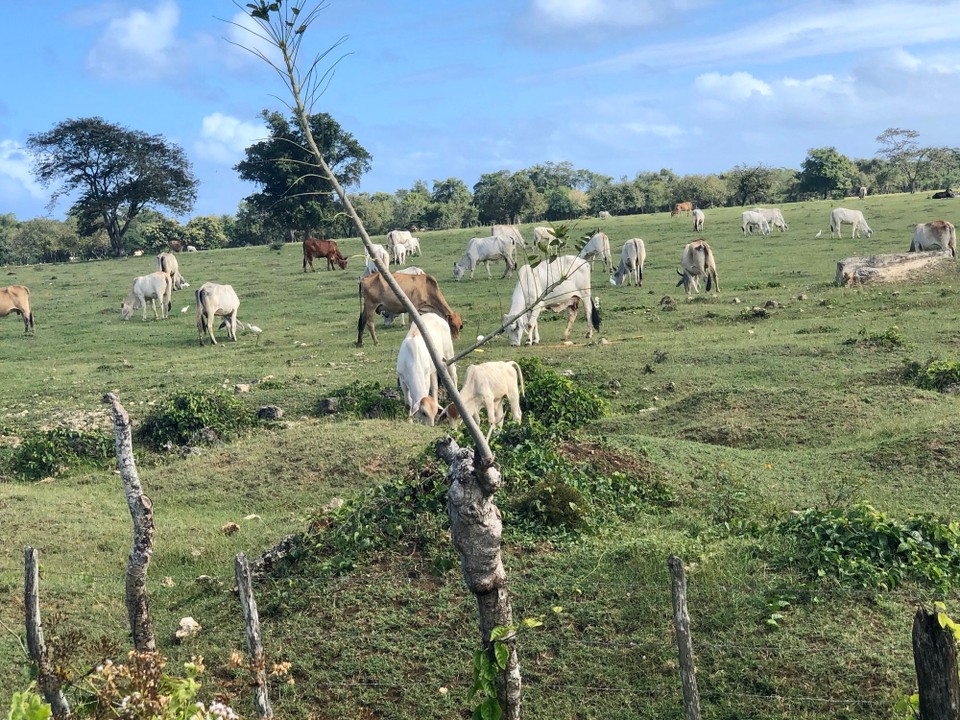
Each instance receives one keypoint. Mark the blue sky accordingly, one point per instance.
(460, 88)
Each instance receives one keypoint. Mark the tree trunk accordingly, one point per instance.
(475, 529)
(935, 659)
(891, 267)
(46, 678)
(251, 619)
(141, 512)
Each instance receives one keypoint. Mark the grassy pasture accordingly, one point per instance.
(786, 401)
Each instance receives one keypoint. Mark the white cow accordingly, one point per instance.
(510, 231)
(751, 219)
(214, 299)
(413, 247)
(485, 387)
(841, 216)
(698, 220)
(399, 253)
(390, 318)
(380, 252)
(697, 262)
(774, 218)
(598, 245)
(485, 250)
(152, 287)
(936, 235)
(416, 372)
(167, 262)
(558, 285)
(603, 215)
(542, 237)
(632, 257)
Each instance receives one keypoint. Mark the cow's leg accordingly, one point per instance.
(232, 326)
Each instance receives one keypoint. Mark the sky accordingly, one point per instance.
(460, 88)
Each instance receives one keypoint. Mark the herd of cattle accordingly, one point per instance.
(560, 283)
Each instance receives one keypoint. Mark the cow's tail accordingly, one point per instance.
(519, 375)
(680, 281)
(595, 313)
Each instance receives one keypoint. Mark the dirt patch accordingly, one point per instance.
(608, 461)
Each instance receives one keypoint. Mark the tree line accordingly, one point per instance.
(123, 181)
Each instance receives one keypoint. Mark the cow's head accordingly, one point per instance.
(426, 411)
(456, 324)
(457, 271)
(516, 328)
(126, 310)
(341, 261)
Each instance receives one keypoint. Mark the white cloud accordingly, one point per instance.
(15, 176)
(738, 86)
(584, 14)
(139, 45)
(223, 138)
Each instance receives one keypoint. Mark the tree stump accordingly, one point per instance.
(891, 267)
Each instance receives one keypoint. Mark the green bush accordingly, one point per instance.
(554, 504)
(370, 400)
(890, 339)
(861, 546)
(557, 402)
(934, 375)
(196, 417)
(45, 453)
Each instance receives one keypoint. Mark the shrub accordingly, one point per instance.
(371, 400)
(557, 402)
(881, 339)
(196, 417)
(934, 375)
(50, 452)
(864, 547)
(554, 504)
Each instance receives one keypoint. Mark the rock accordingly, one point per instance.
(330, 406)
(270, 412)
(241, 388)
(188, 628)
(230, 528)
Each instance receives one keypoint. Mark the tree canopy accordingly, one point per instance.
(293, 192)
(826, 173)
(118, 173)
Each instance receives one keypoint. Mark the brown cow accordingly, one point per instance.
(178, 245)
(314, 248)
(682, 207)
(16, 299)
(423, 291)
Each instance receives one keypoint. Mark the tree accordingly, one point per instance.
(899, 147)
(119, 173)
(826, 173)
(292, 192)
(205, 232)
(750, 185)
(413, 207)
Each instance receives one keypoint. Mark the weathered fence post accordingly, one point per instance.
(681, 624)
(141, 512)
(46, 678)
(251, 620)
(475, 529)
(935, 658)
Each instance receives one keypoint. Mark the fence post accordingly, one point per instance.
(47, 679)
(935, 659)
(261, 701)
(681, 624)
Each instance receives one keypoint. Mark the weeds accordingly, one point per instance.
(47, 453)
(196, 417)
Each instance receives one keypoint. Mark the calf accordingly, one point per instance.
(381, 254)
(486, 386)
(167, 262)
(698, 220)
(152, 287)
(16, 299)
(751, 219)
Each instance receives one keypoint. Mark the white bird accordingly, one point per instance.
(185, 308)
(254, 329)
(819, 233)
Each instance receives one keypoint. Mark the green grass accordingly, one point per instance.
(801, 406)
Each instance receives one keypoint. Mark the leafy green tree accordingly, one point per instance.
(621, 198)
(452, 205)
(8, 223)
(118, 173)
(750, 185)
(899, 147)
(703, 191)
(293, 192)
(44, 240)
(252, 226)
(565, 203)
(826, 173)
(205, 232)
(375, 210)
(413, 207)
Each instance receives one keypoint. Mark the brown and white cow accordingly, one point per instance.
(315, 248)
(422, 290)
(16, 299)
(936, 235)
(682, 207)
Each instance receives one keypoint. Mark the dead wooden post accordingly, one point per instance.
(46, 678)
(681, 624)
(935, 659)
(475, 529)
(890, 267)
(258, 663)
(141, 512)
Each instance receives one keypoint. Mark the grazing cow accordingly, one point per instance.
(487, 250)
(137, 253)
(943, 195)
(388, 317)
(544, 239)
(214, 299)
(413, 247)
(841, 216)
(862, 192)
(697, 220)
(632, 257)
(416, 372)
(599, 244)
(314, 248)
(422, 290)
(485, 387)
(681, 207)
(177, 245)
(558, 285)
(603, 215)
(936, 235)
(16, 299)
(751, 219)
(697, 261)
(191, 248)
(167, 263)
(509, 231)
(381, 253)
(774, 218)
(152, 287)
(401, 237)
